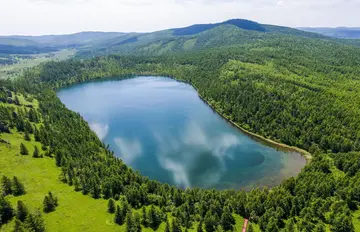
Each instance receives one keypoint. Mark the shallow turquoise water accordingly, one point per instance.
(163, 129)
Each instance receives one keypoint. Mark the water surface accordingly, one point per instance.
(163, 129)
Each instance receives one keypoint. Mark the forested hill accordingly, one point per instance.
(195, 37)
(296, 90)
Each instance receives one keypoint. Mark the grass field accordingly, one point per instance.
(15, 70)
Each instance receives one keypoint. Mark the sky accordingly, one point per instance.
(39, 17)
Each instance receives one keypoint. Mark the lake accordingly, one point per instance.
(161, 128)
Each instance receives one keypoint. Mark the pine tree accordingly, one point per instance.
(200, 227)
(111, 206)
(210, 222)
(47, 205)
(18, 226)
(167, 226)
(35, 222)
(6, 211)
(272, 225)
(50, 203)
(23, 149)
(129, 222)
(37, 135)
(18, 187)
(227, 220)
(27, 136)
(36, 153)
(154, 218)
(175, 227)
(17, 101)
(120, 215)
(21, 211)
(6, 185)
(137, 222)
(144, 219)
(53, 198)
(28, 127)
(33, 116)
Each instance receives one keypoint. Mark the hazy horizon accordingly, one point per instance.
(53, 17)
(77, 32)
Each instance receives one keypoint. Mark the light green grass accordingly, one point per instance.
(15, 70)
(356, 220)
(189, 44)
(75, 212)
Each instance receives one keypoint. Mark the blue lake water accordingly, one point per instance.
(161, 128)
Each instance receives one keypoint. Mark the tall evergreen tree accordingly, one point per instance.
(23, 149)
(37, 135)
(6, 211)
(111, 206)
(144, 218)
(227, 219)
(18, 226)
(200, 227)
(6, 185)
(120, 215)
(210, 222)
(35, 222)
(27, 136)
(50, 203)
(18, 187)
(21, 211)
(154, 218)
(175, 227)
(36, 153)
(130, 222)
(167, 226)
(137, 222)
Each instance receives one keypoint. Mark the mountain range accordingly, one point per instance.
(197, 36)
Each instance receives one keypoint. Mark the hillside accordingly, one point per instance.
(292, 89)
(195, 37)
(71, 40)
(286, 85)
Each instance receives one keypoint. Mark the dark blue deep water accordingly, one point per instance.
(163, 129)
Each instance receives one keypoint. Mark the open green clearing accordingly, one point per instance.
(24, 62)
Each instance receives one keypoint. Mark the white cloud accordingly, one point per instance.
(101, 130)
(280, 3)
(67, 16)
(129, 150)
(184, 154)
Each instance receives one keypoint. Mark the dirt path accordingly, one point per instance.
(245, 225)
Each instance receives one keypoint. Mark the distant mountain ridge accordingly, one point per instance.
(338, 32)
(198, 36)
(197, 28)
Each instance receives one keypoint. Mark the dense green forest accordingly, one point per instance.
(299, 91)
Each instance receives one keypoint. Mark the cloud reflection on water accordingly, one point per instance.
(129, 150)
(101, 130)
(194, 156)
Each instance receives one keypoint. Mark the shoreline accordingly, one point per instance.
(307, 156)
